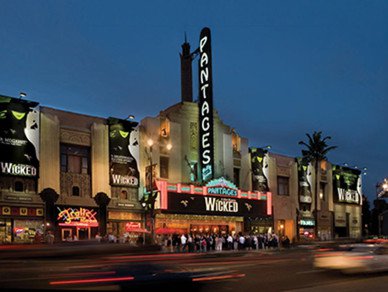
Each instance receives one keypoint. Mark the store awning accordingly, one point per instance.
(166, 230)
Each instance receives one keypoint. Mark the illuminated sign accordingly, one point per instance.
(221, 186)
(307, 222)
(123, 153)
(347, 185)
(221, 205)
(212, 205)
(81, 217)
(19, 137)
(206, 134)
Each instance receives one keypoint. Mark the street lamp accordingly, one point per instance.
(149, 203)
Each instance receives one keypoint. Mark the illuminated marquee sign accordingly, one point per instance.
(80, 217)
(206, 135)
(221, 186)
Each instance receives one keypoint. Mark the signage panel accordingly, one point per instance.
(305, 170)
(213, 205)
(222, 187)
(19, 137)
(77, 216)
(206, 132)
(260, 171)
(347, 185)
(123, 153)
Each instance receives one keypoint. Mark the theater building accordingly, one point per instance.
(206, 155)
(92, 187)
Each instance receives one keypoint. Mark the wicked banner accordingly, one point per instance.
(19, 137)
(123, 153)
(260, 171)
(304, 180)
(347, 185)
(215, 205)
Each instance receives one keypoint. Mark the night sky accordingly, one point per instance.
(280, 68)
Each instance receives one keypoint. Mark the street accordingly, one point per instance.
(111, 269)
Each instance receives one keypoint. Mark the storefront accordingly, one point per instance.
(119, 220)
(77, 223)
(306, 228)
(218, 207)
(20, 224)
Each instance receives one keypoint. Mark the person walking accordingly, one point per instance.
(183, 242)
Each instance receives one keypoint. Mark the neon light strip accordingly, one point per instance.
(269, 203)
(100, 280)
(218, 277)
(79, 224)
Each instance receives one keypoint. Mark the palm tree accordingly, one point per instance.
(316, 151)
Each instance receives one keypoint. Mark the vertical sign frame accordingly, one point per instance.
(206, 122)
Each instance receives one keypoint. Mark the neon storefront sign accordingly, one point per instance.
(79, 217)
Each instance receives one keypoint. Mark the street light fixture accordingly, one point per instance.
(149, 203)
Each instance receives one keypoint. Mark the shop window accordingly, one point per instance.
(75, 191)
(164, 166)
(75, 159)
(236, 176)
(19, 186)
(283, 186)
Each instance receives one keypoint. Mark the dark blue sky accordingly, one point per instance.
(280, 68)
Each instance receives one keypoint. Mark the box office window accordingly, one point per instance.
(75, 159)
(283, 186)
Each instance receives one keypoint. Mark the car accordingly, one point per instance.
(353, 258)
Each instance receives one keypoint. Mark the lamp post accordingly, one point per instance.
(149, 202)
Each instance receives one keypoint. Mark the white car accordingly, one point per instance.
(355, 258)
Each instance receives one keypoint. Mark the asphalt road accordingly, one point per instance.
(85, 268)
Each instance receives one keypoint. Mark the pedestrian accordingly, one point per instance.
(183, 242)
(50, 237)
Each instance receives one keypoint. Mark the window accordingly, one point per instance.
(123, 195)
(75, 191)
(236, 176)
(19, 187)
(164, 166)
(75, 159)
(283, 186)
(322, 195)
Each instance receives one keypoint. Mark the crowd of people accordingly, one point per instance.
(219, 242)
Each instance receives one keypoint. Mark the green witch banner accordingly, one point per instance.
(260, 171)
(347, 185)
(304, 180)
(123, 153)
(19, 137)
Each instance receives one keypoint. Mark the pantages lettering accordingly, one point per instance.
(17, 169)
(206, 106)
(222, 191)
(221, 205)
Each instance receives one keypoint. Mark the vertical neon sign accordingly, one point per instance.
(206, 106)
